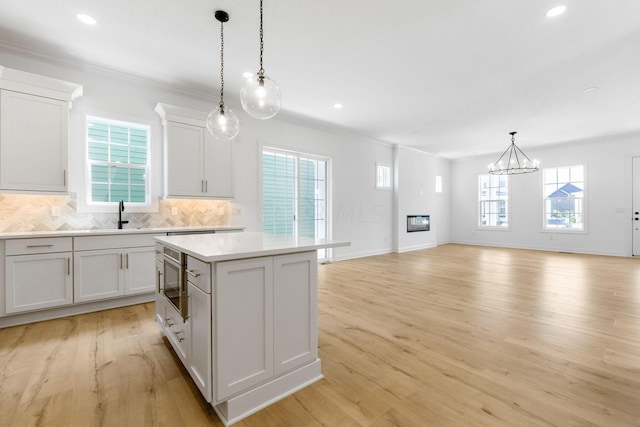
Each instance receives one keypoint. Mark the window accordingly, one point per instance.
(117, 161)
(383, 177)
(564, 198)
(438, 184)
(493, 199)
(295, 195)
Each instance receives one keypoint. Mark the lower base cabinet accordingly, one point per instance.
(255, 330)
(98, 275)
(38, 274)
(25, 275)
(266, 319)
(199, 361)
(244, 324)
(108, 273)
(177, 332)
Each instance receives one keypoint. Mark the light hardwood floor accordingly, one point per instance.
(451, 336)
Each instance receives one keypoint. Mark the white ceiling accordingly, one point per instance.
(449, 77)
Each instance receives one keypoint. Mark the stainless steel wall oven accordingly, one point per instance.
(175, 283)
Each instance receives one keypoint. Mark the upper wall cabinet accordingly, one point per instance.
(34, 122)
(196, 165)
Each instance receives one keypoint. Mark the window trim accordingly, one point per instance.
(328, 196)
(585, 209)
(481, 227)
(439, 184)
(82, 198)
(388, 166)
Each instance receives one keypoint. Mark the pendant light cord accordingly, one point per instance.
(261, 71)
(221, 64)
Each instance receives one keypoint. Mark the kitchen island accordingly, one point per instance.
(240, 311)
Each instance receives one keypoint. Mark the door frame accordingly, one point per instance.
(298, 152)
(632, 202)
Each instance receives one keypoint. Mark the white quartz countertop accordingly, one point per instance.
(111, 231)
(230, 246)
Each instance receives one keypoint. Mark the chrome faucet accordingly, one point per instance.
(120, 210)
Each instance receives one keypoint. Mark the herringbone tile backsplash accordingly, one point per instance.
(20, 212)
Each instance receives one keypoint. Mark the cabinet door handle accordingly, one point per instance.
(39, 246)
(126, 258)
(202, 186)
(178, 335)
(120, 261)
(68, 266)
(206, 185)
(169, 324)
(64, 177)
(159, 274)
(191, 273)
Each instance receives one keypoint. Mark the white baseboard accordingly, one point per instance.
(72, 310)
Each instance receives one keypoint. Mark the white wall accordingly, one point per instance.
(416, 195)
(607, 164)
(361, 214)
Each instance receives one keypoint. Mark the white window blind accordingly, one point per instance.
(295, 190)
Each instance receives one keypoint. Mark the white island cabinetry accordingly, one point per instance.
(199, 324)
(256, 315)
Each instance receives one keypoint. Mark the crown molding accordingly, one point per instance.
(200, 93)
(74, 63)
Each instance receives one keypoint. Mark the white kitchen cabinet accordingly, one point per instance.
(184, 146)
(160, 311)
(34, 121)
(244, 324)
(258, 295)
(109, 273)
(38, 274)
(199, 359)
(197, 165)
(98, 274)
(139, 270)
(199, 321)
(113, 266)
(295, 301)
(218, 162)
(177, 332)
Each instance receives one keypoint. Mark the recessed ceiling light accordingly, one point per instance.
(84, 18)
(337, 105)
(556, 11)
(591, 89)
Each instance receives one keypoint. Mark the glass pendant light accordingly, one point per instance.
(260, 95)
(221, 121)
(513, 161)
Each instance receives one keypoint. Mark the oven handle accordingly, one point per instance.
(172, 260)
(191, 273)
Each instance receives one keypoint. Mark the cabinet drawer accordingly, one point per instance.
(41, 245)
(199, 273)
(88, 243)
(177, 332)
(159, 252)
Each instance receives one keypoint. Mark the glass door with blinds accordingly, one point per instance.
(295, 200)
